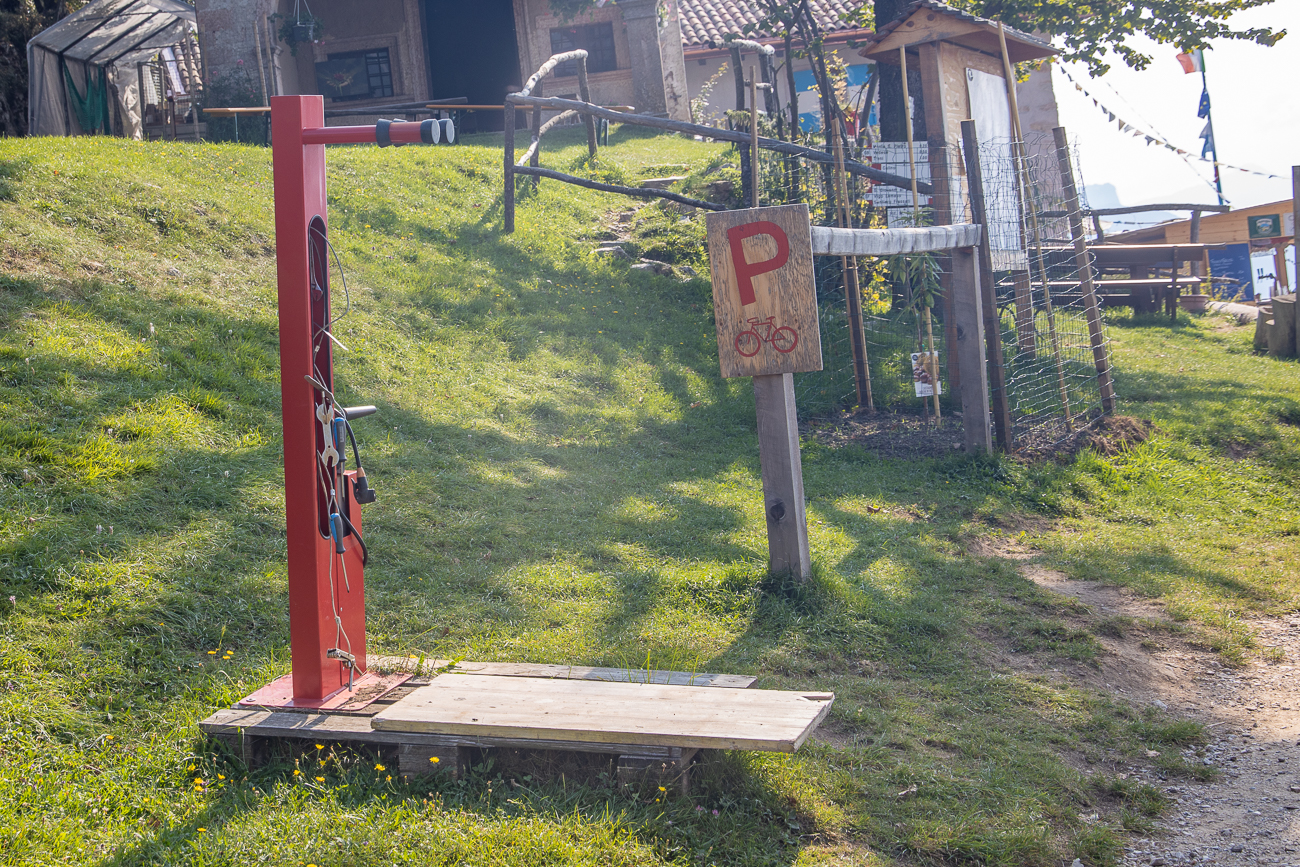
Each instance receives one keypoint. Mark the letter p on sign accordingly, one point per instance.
(746, 271)
(764, 300)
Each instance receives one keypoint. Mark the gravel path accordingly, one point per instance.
(1251, 814)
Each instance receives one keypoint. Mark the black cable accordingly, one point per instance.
(355, 454)
(365, 552)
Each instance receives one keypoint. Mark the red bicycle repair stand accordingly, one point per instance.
(327, 620)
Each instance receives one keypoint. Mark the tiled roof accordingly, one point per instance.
(706, 23)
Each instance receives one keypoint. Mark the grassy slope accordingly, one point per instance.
(563, 478)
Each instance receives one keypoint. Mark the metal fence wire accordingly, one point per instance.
(1048, 355)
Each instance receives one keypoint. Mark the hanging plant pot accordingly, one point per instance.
(304, 31)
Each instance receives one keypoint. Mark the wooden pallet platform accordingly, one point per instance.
(656, 758)
(600, 712)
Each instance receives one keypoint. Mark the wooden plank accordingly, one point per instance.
(1129, 255)
(335, 728)
(832, 241)
(608, 675)
(591, 711)
(764, 297)
(969, 348)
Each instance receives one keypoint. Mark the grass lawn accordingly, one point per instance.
(562, 477)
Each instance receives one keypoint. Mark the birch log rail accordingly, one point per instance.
(771, 144)
(584, 108)
(831, 241)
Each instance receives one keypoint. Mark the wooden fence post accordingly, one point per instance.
(508, 195)
(782, 469)
(535, 161)
(996, 376)
(1295, 221)
(584, 94)
(1084, 263)
(967, 304)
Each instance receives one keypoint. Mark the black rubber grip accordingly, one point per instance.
(382, 133)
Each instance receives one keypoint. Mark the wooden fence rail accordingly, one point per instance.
(641, 192)
(527, 164)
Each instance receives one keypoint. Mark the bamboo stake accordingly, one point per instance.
(852, 291)
(753, 135)
(1022, 179)
(916, 219)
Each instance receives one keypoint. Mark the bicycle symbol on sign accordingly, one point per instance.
(782, 337)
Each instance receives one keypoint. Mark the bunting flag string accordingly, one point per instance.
(1125, 127)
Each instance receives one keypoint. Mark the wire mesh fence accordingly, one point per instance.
(1049, 356)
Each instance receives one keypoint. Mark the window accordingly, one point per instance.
(356, 75)
(597, 39)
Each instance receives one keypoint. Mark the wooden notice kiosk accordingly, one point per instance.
(959, 57)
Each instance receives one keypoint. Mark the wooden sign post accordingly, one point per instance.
(765, 304)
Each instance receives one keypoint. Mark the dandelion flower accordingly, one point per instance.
(379, 768)
(221, 776)
(662, 789)
(212, 653)
(434, 759)
(320, 746)
(108, 737)
(201, 830)
(296, 772)
(320, 779)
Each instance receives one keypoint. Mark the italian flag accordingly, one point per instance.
(1191, 62)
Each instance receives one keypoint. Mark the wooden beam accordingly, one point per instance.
(995, 386)
(968, 313)
(782, 469)
(831, 241)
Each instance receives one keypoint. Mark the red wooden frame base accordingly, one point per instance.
(366, 689)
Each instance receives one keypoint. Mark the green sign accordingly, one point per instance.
(1267, 226)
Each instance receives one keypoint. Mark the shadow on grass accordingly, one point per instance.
(476, 510)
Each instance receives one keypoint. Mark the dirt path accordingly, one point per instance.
(1251, 814)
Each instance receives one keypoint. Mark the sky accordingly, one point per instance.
(1255, 98)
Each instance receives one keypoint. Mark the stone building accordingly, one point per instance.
(393, 51)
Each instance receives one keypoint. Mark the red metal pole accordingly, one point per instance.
(319, 592)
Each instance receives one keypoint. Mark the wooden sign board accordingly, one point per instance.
(764, 295)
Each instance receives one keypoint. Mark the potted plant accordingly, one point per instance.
(303, 28)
